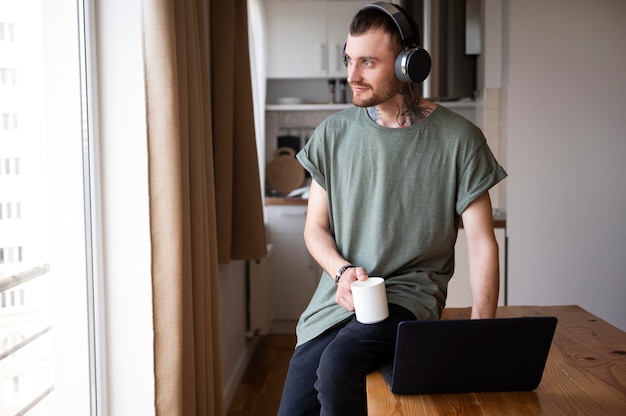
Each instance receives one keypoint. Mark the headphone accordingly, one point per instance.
(412, 63)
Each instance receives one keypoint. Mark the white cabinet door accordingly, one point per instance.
(293, 276)
(459, 294)
(293, 273)
(296, 39)
(305, 38)
(340, 15)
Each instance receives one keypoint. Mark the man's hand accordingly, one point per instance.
(344, 292)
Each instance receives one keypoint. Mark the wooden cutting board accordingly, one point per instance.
(284, 172)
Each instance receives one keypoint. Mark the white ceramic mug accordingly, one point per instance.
(370, 300)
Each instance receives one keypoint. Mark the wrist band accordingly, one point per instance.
(340, 272)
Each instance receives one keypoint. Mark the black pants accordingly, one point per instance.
(327, 374)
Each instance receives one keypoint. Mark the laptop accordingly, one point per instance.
(463, 356)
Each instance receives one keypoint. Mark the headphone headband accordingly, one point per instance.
(399, 18)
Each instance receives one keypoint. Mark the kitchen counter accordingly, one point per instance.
(277, 200)
(455, 104)
(498, 221)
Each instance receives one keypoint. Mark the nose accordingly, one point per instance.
(353, 72)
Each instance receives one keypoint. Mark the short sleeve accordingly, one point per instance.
(480, 174)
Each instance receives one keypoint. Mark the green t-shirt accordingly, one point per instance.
(395, 196)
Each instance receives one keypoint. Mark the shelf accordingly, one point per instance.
(462, 103)
(306, 107)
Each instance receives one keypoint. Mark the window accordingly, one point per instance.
(11, 390)
(46, 308)
(7, 31)
(10, 210)
(10, 166)
(7, 77)
(9, 121)
(10, 255)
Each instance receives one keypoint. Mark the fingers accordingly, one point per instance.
(343, 296)
(361, 273)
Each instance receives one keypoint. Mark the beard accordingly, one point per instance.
(373, 97)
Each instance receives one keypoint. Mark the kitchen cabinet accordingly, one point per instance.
(292, 272)
(459, 294)
(340, 15)
(305, 38)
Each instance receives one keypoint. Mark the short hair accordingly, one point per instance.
(368, 19)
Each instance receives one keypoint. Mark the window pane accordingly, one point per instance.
(45, 311)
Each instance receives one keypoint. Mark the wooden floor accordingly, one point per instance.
(262, 384)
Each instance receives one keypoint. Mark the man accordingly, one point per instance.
(391, 179)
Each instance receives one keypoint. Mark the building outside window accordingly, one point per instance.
(46, 312)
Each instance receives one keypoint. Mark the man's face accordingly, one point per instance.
(371, 69)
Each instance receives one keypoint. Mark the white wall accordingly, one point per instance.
(566, 115)
(126, 262)
(237, 348)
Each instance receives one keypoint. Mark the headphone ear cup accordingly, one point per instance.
(413, 65)
(344, 58)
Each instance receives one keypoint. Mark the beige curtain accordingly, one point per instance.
(205, 201)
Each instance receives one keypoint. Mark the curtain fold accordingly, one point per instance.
(205, 202)
(241, 232)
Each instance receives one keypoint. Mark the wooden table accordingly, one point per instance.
(585, 375)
